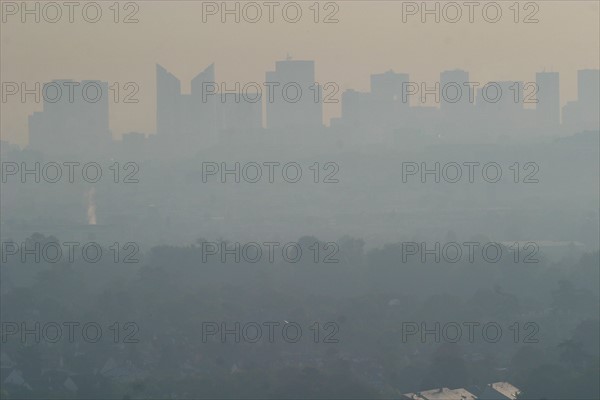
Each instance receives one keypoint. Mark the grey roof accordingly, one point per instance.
(442, 394)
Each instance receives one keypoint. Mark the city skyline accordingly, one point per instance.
(310, 199)
(365, 40)
(213, 108)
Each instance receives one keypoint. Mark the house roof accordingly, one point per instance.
(505, 389)
(442, 394)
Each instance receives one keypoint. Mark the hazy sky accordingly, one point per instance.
(370, 37)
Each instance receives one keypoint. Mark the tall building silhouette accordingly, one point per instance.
(588, 87)
(584, 113)
(387, 87)
(73, 121)
(168, 91)
(354, 107)
(386, 99)
(201, 117)
(548, 99)
(296, 100)
(454, 92)
(185, 116)
(456, 103)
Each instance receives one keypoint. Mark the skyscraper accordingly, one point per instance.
(202, 114)
(185, 119)
(354, 106)
(454, 91)
(74, 118)
(387, 99)
(387, 87)
(588, 87)
(548, 99)
(168, 91)
(295, 99)
(584, 114)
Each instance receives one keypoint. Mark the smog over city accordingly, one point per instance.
(310, 199)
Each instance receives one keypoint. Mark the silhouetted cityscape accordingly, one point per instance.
(214, 113)
(300, 200)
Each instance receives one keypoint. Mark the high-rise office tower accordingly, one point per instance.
(387, 100)
(354, 107)
(74, 118)
(293, 99)
(588, 87)
(455, 96)
(387, 87)
(584, 114)
(548, 99)
(168, 92)
(186, 119)
(202, 114)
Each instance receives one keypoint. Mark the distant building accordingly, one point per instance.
(441, 394)
(457, 103)
(185, 118)
(548, 99)
(455, 96)
(199, 109)
(296, 100)
(168, 91)
(588, 88)
(199, 118)
(354, 107)
(386, 99)
(375, 115)
(499, 391)
(74, 119)
(584, 114)
(492, 391)
(387, 87)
